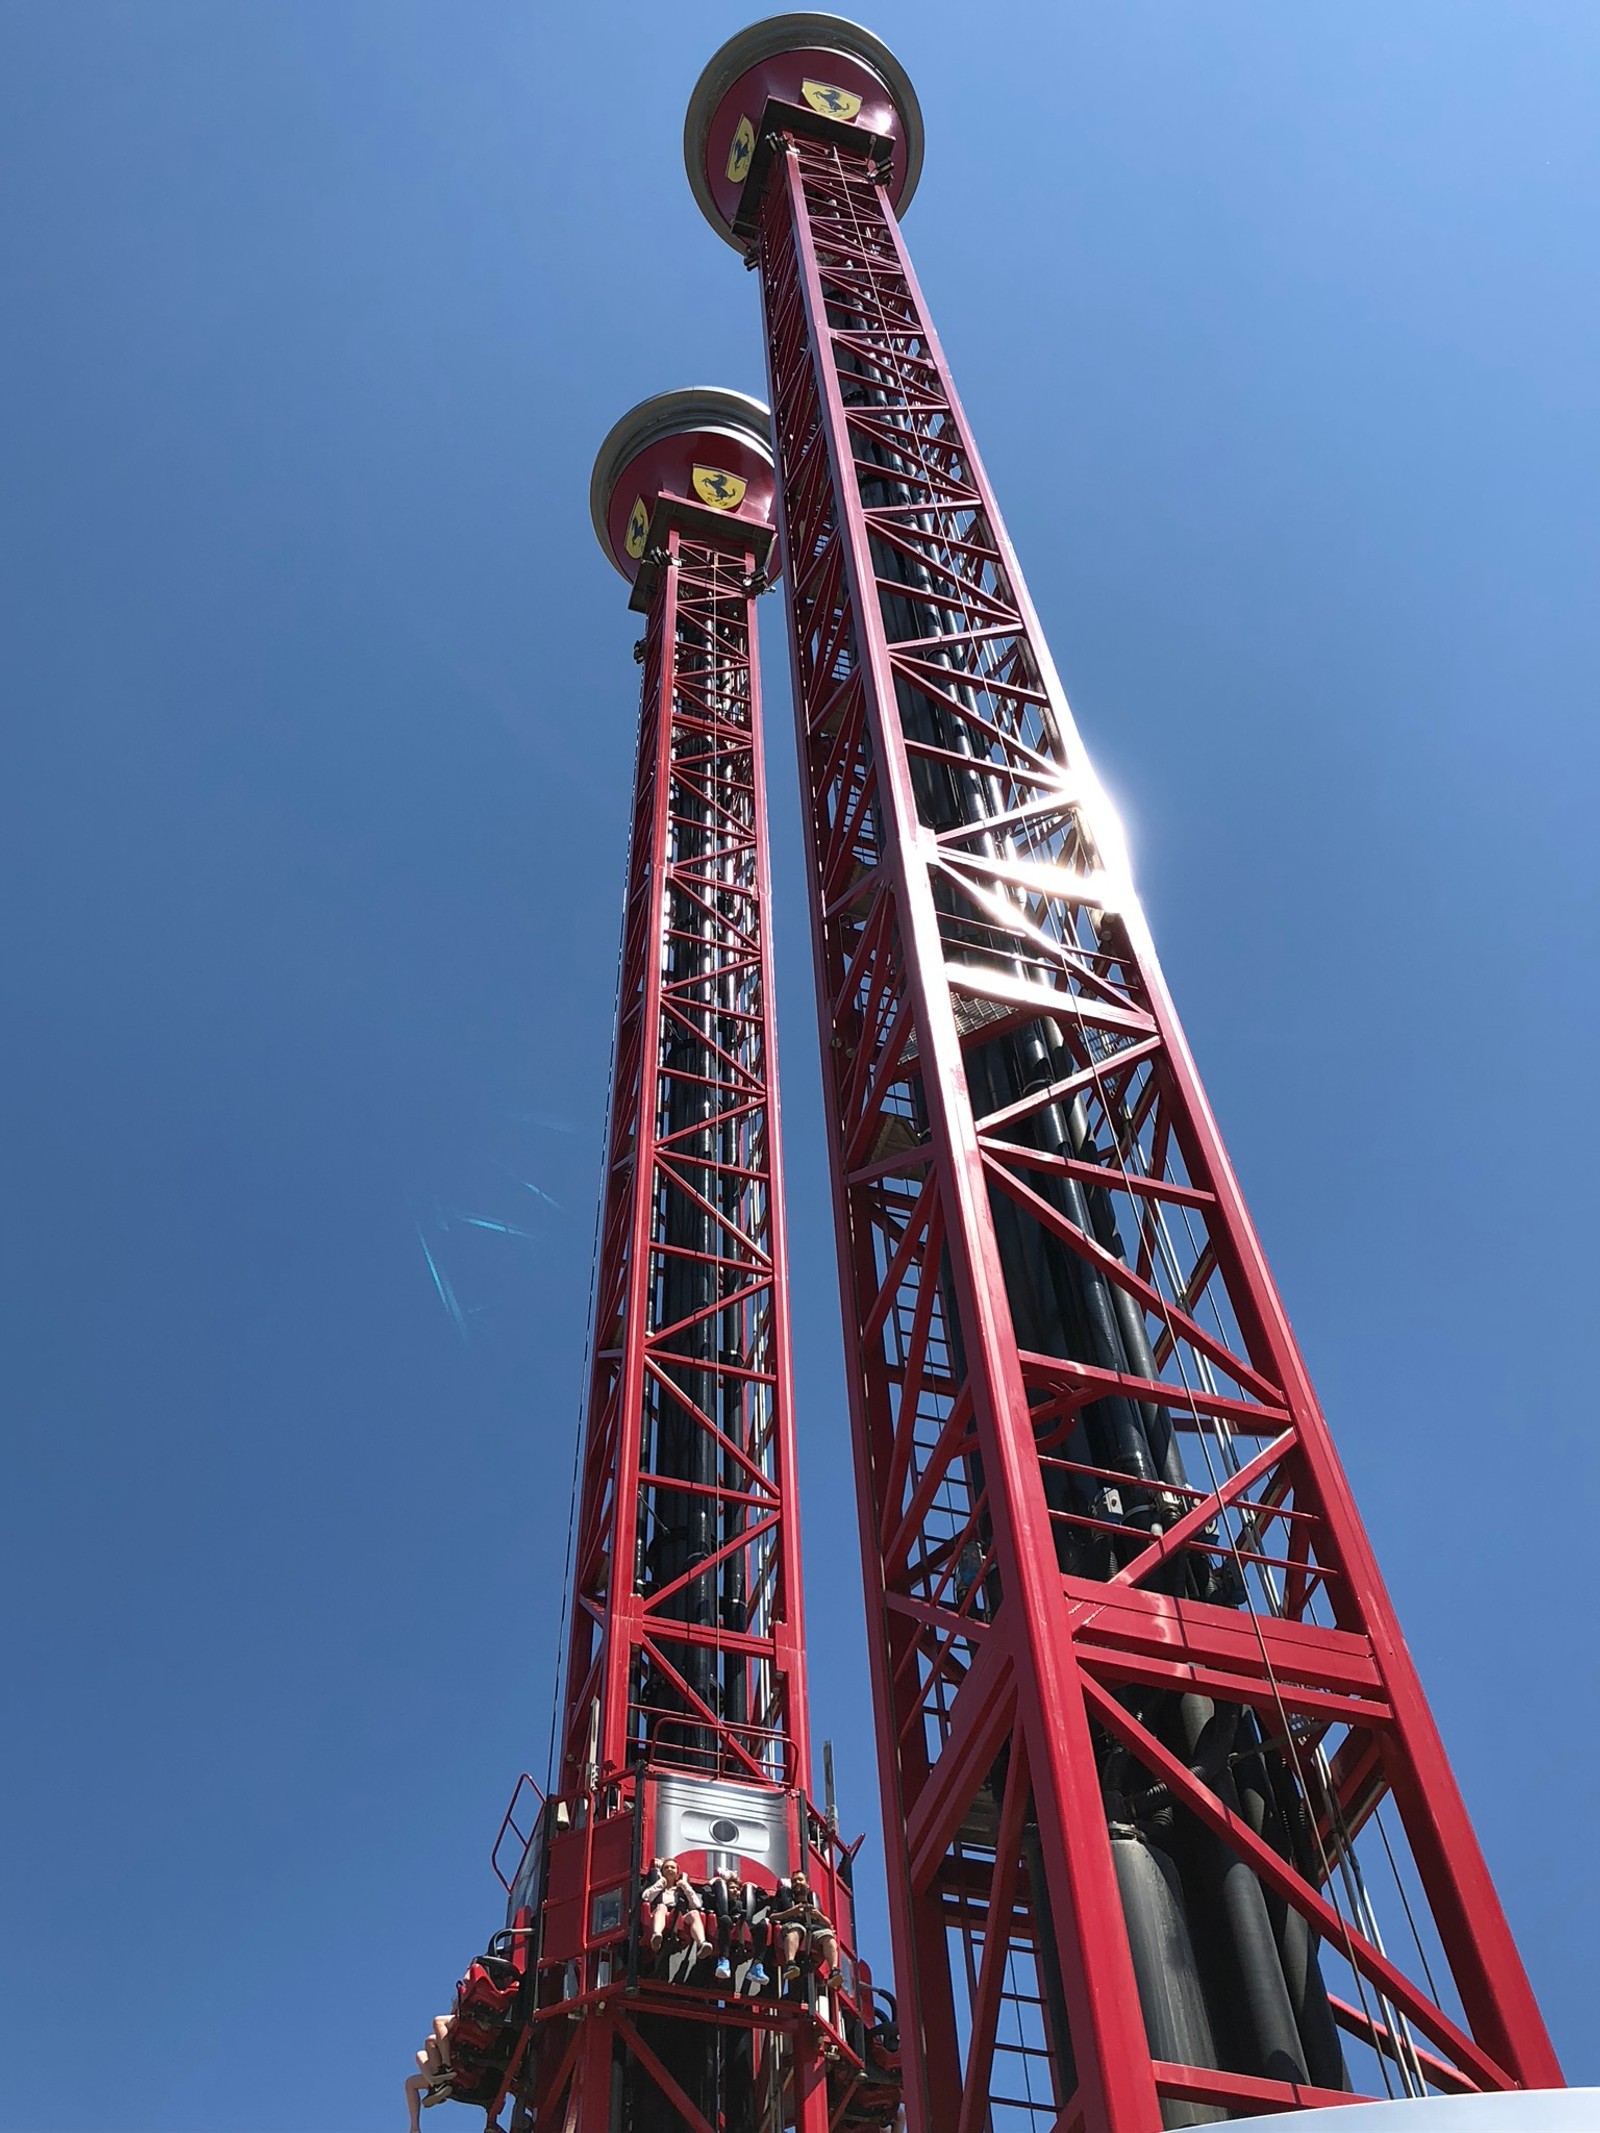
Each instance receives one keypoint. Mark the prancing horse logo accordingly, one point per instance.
(831, 102)
(744, 147)
(723, 492)
(638, 529)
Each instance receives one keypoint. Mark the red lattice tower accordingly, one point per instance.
(684, 1730)
(1154, 1757)
(690, 1397)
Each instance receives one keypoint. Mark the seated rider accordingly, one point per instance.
(740, 1910)
(801, 1923)
(468, 2050)
(431, 2083)
(670, 1894)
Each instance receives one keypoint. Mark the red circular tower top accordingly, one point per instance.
(703, 443)
(833, 67)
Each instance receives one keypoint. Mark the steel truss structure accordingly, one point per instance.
(1141, 1697)
(686, 1645)
(684, 1729)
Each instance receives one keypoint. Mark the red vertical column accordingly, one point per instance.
(685, 1729)
(684, 1748)
(687, 1645)
(1158, 1774)
(685, 1702)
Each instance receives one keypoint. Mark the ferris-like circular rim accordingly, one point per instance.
(793, 33)
(716, 410)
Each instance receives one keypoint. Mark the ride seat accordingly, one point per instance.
(484, 2031)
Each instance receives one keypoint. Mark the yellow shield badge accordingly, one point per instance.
(831, 102)
(744, 147)
(723, 492)
(638, 529)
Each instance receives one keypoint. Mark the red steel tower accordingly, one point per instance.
(685, 1731)
(1158, 1775)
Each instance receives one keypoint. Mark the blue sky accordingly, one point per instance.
(1278, 327)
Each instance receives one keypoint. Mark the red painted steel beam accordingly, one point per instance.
(1077, 1405)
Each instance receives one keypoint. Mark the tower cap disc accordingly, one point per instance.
(818, 37)
(707, 413)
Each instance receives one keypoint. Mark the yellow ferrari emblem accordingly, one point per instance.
(638, 529)
(744, 147)
(723, 492)
(832, 103)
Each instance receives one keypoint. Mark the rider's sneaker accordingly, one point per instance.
(755, 1977)
(724, 1970)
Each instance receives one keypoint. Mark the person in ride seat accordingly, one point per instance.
(671, 1894)
(801, 1924)
(431, 2083)
(468, 2050)
(740, 1910)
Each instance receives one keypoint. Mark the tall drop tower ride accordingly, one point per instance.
(684, 1730)
(1158, 1774)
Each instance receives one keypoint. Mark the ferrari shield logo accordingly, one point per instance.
(744, 147)
(723, 492)
(638, 529)
(831, 102)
